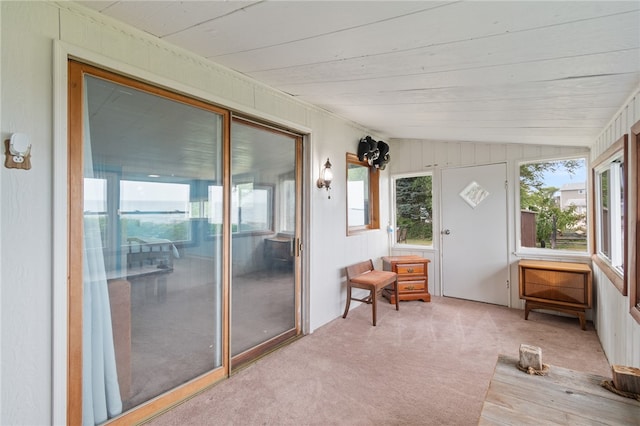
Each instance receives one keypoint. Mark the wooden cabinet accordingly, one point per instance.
(559, 286)
(413, 277)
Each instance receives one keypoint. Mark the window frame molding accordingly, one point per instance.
(633, 232)
(619, 281)
(374, 196)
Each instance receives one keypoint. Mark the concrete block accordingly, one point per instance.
(530, 356)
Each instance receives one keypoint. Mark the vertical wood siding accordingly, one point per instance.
(619, 333)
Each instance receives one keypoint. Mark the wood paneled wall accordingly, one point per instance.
(619, 333)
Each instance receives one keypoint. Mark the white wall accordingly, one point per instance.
(412, 156)
(33, 206)
(619, 333)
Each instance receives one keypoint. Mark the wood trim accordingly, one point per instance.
(374, 196)
(298, 233)
(77, 71)
(634, 226)
(250, 355)
(621, 145)
(226, 245)
(75, 253)
(170, 399)
(607, 269)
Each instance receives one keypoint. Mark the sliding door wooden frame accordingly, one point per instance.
(75, 155)
(242, 359)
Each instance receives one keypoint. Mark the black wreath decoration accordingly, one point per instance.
(376, 153)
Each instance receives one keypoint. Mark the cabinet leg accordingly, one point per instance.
(583, 322)
(526, 311)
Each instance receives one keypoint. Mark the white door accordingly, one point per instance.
(474, 233)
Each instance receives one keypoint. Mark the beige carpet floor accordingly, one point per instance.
(427, 364)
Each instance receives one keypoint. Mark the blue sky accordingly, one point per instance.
(561, 177)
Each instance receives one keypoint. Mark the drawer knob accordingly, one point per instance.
(409, 270)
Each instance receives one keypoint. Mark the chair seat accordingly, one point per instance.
(375, 278)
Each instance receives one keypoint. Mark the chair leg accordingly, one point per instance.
(346, 309)
(395, 290)
(374, 304)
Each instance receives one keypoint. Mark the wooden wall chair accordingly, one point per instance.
(362, 275)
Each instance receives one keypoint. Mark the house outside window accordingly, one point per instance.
(553, 205)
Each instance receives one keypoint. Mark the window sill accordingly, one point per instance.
(635, 313)
(612, 274)
(398, 246)
(360, 230)
(549, 254)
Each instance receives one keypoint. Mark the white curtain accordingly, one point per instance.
(100, 389)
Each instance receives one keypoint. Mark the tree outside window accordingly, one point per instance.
(553, 205)
(414, 213)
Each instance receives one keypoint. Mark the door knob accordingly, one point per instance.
(446, 232)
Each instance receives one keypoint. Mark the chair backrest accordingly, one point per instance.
(359, 268)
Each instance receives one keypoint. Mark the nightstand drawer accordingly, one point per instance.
(411, 286)
(410, 269)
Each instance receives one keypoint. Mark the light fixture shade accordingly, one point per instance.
(327, 174)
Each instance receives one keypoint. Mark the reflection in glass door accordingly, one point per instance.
(152, 242)
(264, 218)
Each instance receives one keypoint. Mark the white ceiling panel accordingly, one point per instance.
(275, 25)
(505, 71)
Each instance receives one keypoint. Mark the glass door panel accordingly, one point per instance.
(264, 295)
(153, 245)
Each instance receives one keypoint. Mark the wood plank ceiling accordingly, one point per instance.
(509, 71)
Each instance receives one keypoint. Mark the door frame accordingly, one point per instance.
(62, 53)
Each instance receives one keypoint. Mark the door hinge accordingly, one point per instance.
(508, 284)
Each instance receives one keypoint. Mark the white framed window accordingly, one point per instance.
(413, 209)
(553, 205)
(610, 201)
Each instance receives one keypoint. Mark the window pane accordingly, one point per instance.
(358, 195)
(154, 210)
(414, 210)
(156, 273)
(251, 208)
(263, 287)
(553, 203)
(604, 241)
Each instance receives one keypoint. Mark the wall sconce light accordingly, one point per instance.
(326, 176)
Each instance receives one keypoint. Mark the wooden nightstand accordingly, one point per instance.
(413, 277)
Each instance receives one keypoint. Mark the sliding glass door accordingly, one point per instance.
(264, 218)
(183, 245)
(150, 294)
